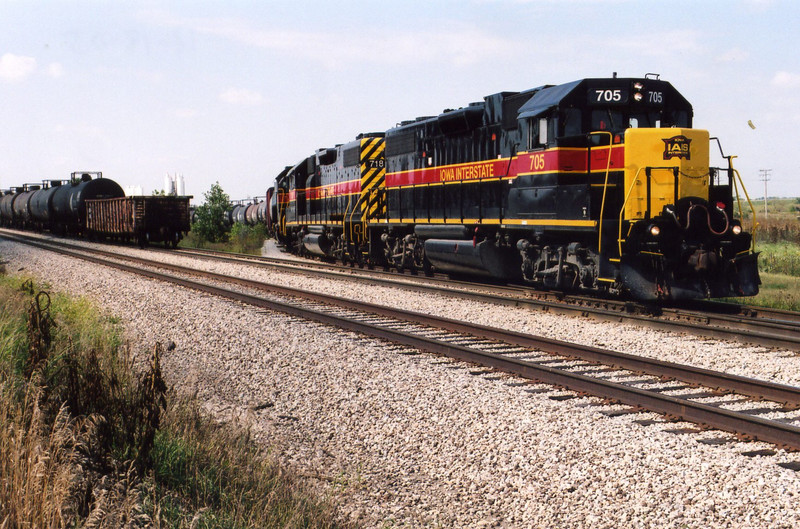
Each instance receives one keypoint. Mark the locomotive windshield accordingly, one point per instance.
(563, 114)
(616, 120)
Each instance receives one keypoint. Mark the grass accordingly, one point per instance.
(779, 258)
(777, 291)
(88, 439)
(241, 239)
(778, 241)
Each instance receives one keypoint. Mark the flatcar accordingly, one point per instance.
(599, 185)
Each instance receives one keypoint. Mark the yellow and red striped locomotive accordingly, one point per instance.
(594, 185)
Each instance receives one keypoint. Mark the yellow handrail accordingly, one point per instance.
(605, 187)
(749, 202)
(622, 210)
(353, 212)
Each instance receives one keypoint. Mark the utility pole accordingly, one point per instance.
(765, 178)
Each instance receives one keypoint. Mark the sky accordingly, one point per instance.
(233, 91)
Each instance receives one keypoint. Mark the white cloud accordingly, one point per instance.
(16, 67)
(457, 44)
(55, 70)
(241, 96)
(786, 80)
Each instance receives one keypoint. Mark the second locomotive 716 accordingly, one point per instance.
(595, 185)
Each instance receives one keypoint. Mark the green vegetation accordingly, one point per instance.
(778, 241)
(247, 239)
(211, 229)
(241, 239)
(211, 225)
(89, 439)
(777, 291)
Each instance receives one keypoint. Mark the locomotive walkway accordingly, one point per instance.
(582, 369)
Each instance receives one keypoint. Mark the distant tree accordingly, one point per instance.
(158, 192)
(211, 224)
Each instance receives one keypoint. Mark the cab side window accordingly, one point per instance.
(537, 133)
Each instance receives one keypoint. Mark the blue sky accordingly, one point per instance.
(233, 91)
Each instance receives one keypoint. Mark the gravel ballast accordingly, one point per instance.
(418, 441)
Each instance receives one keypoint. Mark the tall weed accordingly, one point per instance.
(88, 439)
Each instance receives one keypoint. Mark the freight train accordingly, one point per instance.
(95, 207)
(599, 185)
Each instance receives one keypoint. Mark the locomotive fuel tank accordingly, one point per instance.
(467, 257)
(318, 244)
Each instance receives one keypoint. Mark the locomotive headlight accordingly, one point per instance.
(638, 97)
(655, 231)
(736, 229)
(638, 86)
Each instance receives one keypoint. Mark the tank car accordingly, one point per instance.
(261, 211)
(598, 185)
(22, 205)
(41, 205)
(7, 206)
(68, 215)
(251, 214)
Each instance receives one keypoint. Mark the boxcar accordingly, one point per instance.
(144, 219)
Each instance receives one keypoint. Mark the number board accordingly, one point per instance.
(608, 96)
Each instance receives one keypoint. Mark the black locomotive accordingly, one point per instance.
(595, 185)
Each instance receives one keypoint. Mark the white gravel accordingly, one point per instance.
(415, 441)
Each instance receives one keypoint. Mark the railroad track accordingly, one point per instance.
(705, 307)
(726, 321)
(678, 391)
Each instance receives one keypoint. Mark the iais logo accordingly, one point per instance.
(677, 147)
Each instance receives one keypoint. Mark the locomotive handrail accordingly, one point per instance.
(733, 179)
(605, 188)
(346, 211)
(648, 172)
(749, 202)
(353, 212)
(622, 209)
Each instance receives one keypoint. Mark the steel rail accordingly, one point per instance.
(746, 328)
(743, 331)
(680, 308)
(742, 424)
